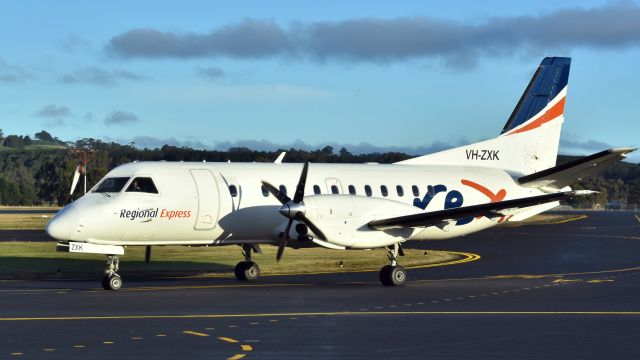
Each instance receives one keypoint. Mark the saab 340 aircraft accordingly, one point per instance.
(337, 206)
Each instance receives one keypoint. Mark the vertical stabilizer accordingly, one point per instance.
(529, 140)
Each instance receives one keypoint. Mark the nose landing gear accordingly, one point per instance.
(111, 280)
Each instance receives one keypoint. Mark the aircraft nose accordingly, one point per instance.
(64, 223)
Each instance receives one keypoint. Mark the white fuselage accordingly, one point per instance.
(224, 203)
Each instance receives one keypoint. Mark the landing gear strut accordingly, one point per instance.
(248, 270)
(111, 280)
(393, 274)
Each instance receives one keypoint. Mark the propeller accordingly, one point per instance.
(76, 177)
(293, 209)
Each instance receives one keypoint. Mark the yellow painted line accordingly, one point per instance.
(237, 357)
(136, 338)
(107, 342)
(48, 350)
(246, 347)
(189, 287)
(466, 257)
(78, 346)
(32, 290)
(580, 217)
(195, 333)
(599, 281)
(567, 280)
(229, 340)
(313, 314)
(16, 353)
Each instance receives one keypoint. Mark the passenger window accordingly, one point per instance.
(383, 190)
(367, 190)
(283, 189)
(265, 191)
(143, 185)
(334, 189)
(400, 190)
(416, 191)
(316, 190)
(233, 190)
(352, 190)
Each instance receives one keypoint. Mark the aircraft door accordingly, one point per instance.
(208, 199)
(333, 186)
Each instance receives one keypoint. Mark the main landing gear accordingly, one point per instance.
(111, 280)
(393, 274)
(248, 270)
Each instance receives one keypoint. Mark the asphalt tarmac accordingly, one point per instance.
(561, 291)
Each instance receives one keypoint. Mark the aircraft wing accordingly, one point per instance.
(493, 209)
(565, 174)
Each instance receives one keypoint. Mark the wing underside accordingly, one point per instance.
(494, 209)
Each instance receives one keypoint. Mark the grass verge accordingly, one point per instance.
(24, 260)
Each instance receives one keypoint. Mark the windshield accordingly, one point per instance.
(111, 185)
(143, 185)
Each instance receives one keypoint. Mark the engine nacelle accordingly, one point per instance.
(343, 220)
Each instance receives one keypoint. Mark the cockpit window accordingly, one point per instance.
(112, 185)
(143, 185)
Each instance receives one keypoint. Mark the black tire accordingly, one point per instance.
(240, 271)
(105, 282)
(385, 275)
(251, 271)
(398, 276)
(115, 282)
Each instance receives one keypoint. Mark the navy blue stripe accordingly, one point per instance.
(550, 78)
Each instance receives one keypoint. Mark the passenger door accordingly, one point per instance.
(208, 199)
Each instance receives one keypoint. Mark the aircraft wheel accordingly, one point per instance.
(240, 271)
(385, 275)
(398, 276)
(251, 271)
(113, 282)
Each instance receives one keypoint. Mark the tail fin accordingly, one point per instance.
(530, 138)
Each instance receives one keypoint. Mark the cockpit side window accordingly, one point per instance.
(142, 185)
(112, 185)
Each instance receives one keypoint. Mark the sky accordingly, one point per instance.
(412, 76)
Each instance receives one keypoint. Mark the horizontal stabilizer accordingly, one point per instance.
(565, 174)
(493, 209)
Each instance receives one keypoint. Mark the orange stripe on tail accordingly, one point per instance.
(555, 111)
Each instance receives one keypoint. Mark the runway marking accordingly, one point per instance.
(597, 281)
(237, 357)
(16, 354)
(78, 346)
(48, 350)
(195, 333)
(107, 342)
(246, 347)
(314, 314)
(189, 287)
(229, 340)
(637, 218)
(466, 257)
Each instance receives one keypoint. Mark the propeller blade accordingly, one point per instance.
(74, 182)
(299, 195)
(275, 192)
(283, 241)
(312, 226)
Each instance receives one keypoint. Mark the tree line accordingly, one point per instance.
(41, 173)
